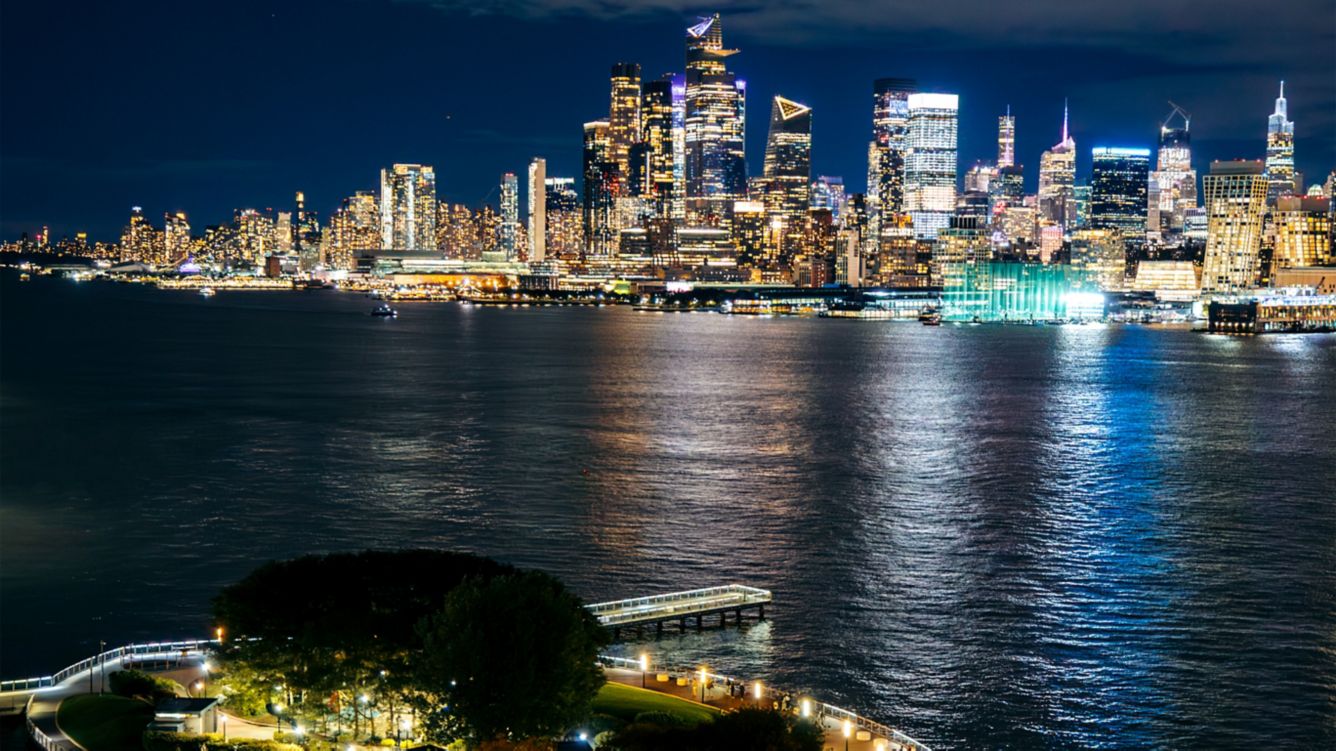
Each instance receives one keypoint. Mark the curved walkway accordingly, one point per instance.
(44, 702)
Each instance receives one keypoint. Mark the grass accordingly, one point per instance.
(106, 722)
(625, 702)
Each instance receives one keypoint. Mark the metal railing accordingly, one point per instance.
(678, 603)
(188, 648)
(39, 737)
(823, 710)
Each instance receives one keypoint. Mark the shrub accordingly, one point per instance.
(155, 740)
(138, 684)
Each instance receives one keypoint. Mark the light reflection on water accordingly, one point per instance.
(1024, 536)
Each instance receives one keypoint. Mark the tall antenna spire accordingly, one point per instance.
(1282, 89)
(1064, 119)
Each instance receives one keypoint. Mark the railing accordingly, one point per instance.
(192, 647)
(39, 737)
(839, 714)
(674, 603)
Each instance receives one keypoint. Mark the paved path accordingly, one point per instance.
(42, 711)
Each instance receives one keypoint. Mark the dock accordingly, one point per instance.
(683, 607)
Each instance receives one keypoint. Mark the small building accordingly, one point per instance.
(184, 715)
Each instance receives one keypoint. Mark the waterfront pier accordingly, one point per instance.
(683, 608)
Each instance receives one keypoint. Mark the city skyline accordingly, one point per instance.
(469, 152)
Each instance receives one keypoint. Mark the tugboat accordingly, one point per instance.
(385, 311)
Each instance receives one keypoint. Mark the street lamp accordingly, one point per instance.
(848, 731)
(199, 688)
(218, 634)
(702, 685)
(223, 718)
(404, 725)
(806, 708)
(757, 689)
(644, 667)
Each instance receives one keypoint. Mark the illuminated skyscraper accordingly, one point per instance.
(715, 122)
(602, 186)
(1118, 182)
(1102, 254)
(1057, 178)
(886, 154)
(537, 204)
(1235, 197)
(788, 161)
(930, 161)
(565, 229)
(656, 133)
(354, 228)
(1280, 149)
(1006, 140)
(408, 207)
(624, 129)
(283, 232)
(1173, 184)
(176, 235)
(1303, 232)
(508, 228)
(828, 193)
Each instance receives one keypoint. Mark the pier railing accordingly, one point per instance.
(674, 604)
(822, 710)
(162, 649)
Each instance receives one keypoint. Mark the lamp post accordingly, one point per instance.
(757, 690)
(848, 731)
(404, 725)
(644, 668)
(223, 717)
(702, 685)
(102, 661)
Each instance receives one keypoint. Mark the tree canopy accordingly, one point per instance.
(743, 730)
(512, 657)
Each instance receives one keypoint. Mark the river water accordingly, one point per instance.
(1047, 537)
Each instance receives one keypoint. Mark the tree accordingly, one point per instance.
(136, 684)
(510, 657)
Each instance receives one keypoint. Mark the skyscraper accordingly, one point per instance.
(1118, 182)
(565, 231)
(930, 161)
(656, 133)
(1235, 194)
(1057, 178)
(176, 235)
(508, 229)
(788, 161)
(537, 210)
(828, 193)
(1303, 232)
(408, 207)
(715, 122)
(624, 114)
(1006, 140)
(886, 154)
(602, 185)
(1280, 149)
(1173, 184)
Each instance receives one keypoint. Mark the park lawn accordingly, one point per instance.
(625, 702)
(105, 722)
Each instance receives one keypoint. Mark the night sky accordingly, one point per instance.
(207, 106)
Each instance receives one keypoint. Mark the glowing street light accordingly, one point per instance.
(848, 731)
(199, 687)
(218, 634)
(806, 708)
(702, 685)
(756, 690)
(644, 667)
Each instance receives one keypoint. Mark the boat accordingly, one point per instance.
(207, 292)
(385, 311)
(931, 319)
(24, 277)
(929, 313)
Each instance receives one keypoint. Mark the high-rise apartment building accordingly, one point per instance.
(828, 193)
(1235, 196)
(715, 123)
(537, 206)
(176, 235)
(508, 228)
(565, 228)
(1302, 226)
(408, 207)
(624, 124)
(930, 161)
(602, 187)
(656, 135)
(1102, 255)
(1280, 149)
(886, 151)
